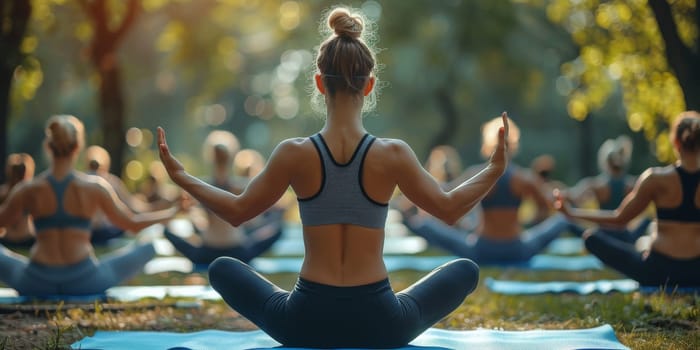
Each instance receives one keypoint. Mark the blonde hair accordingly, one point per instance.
(345, 60)
(65, 135)
(489, 137)
(615, 154)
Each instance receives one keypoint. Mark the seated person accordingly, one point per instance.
(19, 168)
(220, 238)
(98, 161)
(499, 238)
(610, 187)
(674, 256)
(343, 178)
(62, 202)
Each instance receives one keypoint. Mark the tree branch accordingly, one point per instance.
(132, 11)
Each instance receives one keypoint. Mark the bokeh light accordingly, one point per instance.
(134, 170)
(134, 137)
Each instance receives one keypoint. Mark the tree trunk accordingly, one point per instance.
(684, 61)
(14, 16)
(111, 107)
(5, 83)
(104, 46)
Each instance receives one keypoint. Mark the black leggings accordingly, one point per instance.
(323, 316)
(629, 235)
(246, 251)
(653, 270)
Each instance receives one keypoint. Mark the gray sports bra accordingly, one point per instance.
(341, 198)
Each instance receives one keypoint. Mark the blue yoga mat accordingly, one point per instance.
(602, 337)
(10, 296)
(565, 246)
(392, 262)
(587, 287)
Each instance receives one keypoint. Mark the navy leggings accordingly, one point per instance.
(323, 316)
(101, 235)
(624, 235)
(89, 276)
(653, 270)
(484, 250)
(204, 255)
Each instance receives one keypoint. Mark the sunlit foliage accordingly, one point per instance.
(621, 48)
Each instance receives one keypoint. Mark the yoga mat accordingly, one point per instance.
(586, 287)
(392, 262)
(602, 337)
(133, 293)
(10, 296)
(565, 246)
(396, 245)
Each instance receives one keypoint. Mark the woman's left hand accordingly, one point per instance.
(172, 165)
(560, 203)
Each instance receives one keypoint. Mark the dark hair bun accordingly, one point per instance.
(343, 23)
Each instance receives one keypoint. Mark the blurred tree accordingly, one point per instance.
(648, 49)
(14, 17)
(110, 27)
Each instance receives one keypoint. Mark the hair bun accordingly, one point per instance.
(343, 23)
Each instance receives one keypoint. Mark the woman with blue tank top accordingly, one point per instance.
(499, 237)
(62, 202)
(674, 256)
(609, 188)
(344, 178)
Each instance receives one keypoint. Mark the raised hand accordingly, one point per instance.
(499, 158)
(171, 164)
(560, 203)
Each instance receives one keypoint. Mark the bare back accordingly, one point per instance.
(502, 223)
(62, 246)
(674, 238)
(344, 254)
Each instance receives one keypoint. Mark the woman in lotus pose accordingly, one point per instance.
(499, 237)
(62, 202)
(20, 168)
(674, 257)
(610, 187)
(343, 178)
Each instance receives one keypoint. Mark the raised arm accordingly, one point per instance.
(119, 213)
(634, 204)
(422, 189)
(260, 194)
(13, 206)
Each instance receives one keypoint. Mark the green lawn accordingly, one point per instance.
(641, 321)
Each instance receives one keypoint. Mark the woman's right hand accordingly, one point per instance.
(172, 165)
(499, 158)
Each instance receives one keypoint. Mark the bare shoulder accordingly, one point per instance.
(393, 148)
(93, 183)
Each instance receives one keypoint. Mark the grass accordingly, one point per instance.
(641, 321)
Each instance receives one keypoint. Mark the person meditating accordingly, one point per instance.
(62, 202)
(674, 256)
(220, 238)
(499, 237)
(20, 168)
(344, 178)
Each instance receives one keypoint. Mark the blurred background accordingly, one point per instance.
(570, 73)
